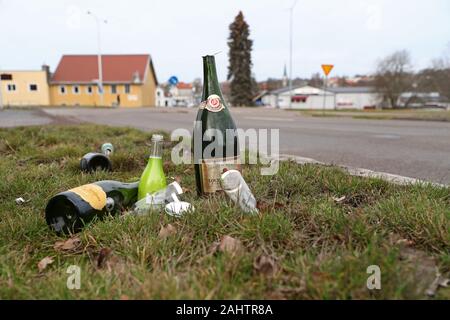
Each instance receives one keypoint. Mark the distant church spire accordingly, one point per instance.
(285, 77)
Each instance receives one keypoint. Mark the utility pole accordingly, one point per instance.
(291, 23)
(99, 55)
(325, 82)
(326, 70)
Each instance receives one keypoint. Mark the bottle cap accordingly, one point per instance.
(107, 148)
(157, 138)
(109, 207)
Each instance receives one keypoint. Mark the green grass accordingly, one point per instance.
(408, 114)
(321, 248)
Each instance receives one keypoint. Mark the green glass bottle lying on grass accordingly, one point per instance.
(70, 211)
(153, 178)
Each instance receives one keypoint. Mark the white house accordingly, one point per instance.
(182, 95)
(162, 100)
(305, 97)
(356, 98)
(308, 97)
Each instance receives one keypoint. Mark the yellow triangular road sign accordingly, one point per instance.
(327, 68)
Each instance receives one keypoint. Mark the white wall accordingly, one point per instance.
(160, 99)
(316, 101)
(312, 102)
(356, 100)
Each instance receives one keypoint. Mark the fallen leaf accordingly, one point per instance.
(167, 231)
(124, 297)
(339, 200)
(70, 244)
(265, 265)
(230, 245)
(105, 259)
(44, 263)
(103, 256)
(261, 206)
(278, 205)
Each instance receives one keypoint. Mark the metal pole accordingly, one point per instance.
(99, 57)
(100, 67)
(290, 51)
(324, 94)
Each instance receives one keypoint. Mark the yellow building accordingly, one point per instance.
(128, 81)
(25, 88)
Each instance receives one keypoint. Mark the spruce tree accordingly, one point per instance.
(239, 70)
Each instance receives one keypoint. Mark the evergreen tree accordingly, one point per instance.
(239, 71)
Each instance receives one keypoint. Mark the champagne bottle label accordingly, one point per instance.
(211, 171)
(92, 194)
(212, 104)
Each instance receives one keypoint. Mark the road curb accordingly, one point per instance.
(360, 172)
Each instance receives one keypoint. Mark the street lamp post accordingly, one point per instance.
(99, 55)
(291, 9)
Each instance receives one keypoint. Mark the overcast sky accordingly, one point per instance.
(351, 34)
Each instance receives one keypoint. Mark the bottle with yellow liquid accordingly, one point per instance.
(153, 178)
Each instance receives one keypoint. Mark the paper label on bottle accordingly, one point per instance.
(92, 194)
(212, 104)
(211, 170)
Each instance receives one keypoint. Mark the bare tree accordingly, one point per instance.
(436, 78)
(393, 76)
(316, 80)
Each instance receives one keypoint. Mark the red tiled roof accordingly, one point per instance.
(116, 68)
(183, 85)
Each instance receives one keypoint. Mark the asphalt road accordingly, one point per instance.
(417, 149)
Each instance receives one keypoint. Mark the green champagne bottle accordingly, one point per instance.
(153, 178)
(213, 126)
(69, 211)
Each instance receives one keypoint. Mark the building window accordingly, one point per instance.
(62, 89)
(89, 90)
(33, 87)
(299, 99)
(76, 89)
(11, 87)
(127, 88)
(113, 89)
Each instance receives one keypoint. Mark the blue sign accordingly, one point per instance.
(173, 80)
